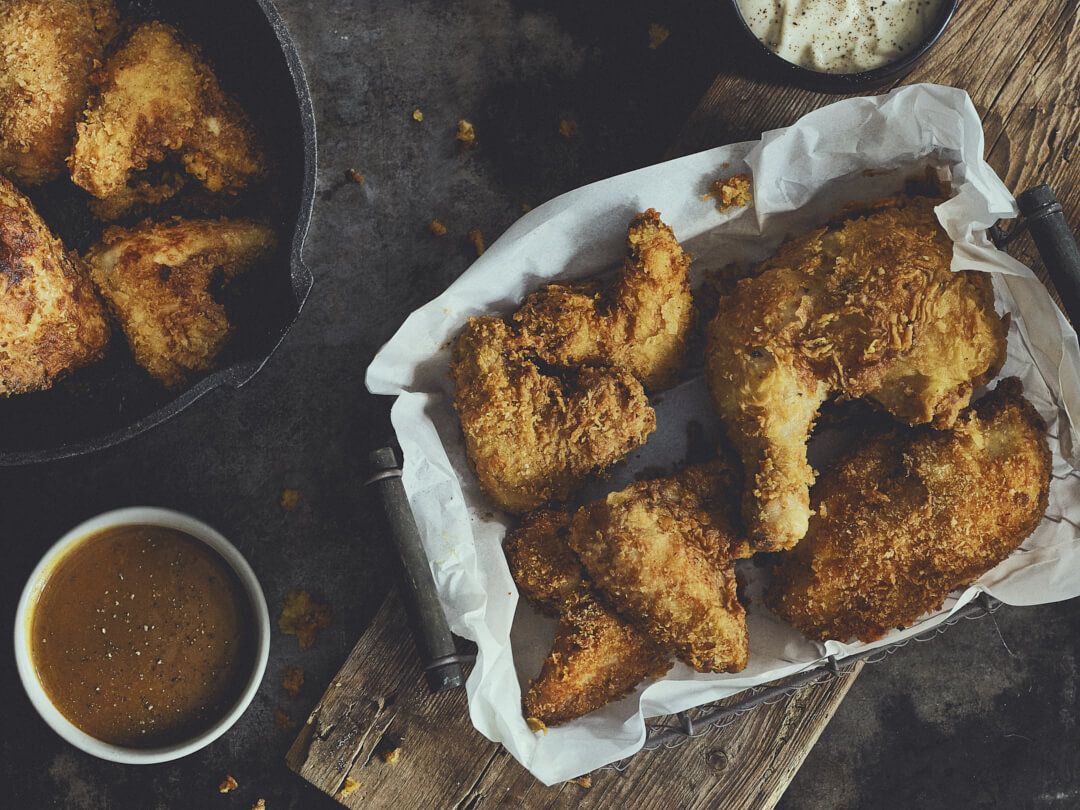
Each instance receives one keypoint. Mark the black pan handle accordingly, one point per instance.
(435, 642)
(1045, 219)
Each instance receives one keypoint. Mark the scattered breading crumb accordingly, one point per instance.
(658, 35)
(476, 236)
(303, 617)
(292, 680)
(355, 177)
(731, 192)
(417, 115)
(391, 756)
(347, 789)
(525, 208)
(584, 781)
(290, 498)
(466, 133)
(568, 127)
(282, 719)
(536, 725)
(228, 784)
(437, 228)
(259, 805)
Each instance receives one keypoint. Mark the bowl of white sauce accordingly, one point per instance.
(844, 44)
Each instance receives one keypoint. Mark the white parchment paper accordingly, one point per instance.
(856, 149)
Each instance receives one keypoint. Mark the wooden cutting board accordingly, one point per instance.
(1020, 62)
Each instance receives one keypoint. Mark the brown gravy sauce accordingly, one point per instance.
(142, 636)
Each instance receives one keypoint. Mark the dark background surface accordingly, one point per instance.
(962, 721)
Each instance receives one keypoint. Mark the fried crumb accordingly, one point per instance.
(525, 208)
(228, 784)
(731, 192)
(260, 804)
(536, 725)
(437, 228)
(282, 719)
(568, 128)
(583, 781)
(292, 680)
(303, 617)
(658, 35)
(347, 789)
(476, 236)
(417, 115)
(392, 756)
(355, 176)
(289, 499)
(466, 133)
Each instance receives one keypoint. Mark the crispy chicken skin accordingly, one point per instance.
(48, 51)
(663, 552)
(596, 656)
(50, 319)
(640, 323)
(531, 436)
(911, 516)
(156, 279)
(157, 97)
(864, 307)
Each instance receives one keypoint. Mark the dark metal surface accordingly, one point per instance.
(113, 400)
(1045, 221)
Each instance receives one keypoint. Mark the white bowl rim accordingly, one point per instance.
(146, 516)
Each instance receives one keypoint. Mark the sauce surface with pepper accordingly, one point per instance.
(142, 636)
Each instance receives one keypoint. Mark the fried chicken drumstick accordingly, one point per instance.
(910, 517)
(596, 656)
(864, 307)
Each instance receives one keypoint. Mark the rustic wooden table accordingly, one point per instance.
(1020, 62)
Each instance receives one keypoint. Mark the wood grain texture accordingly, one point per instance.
(379, 702)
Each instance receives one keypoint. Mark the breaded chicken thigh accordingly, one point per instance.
(50, 319)
(640, 323)
(596, 656)
(158, 97)
(864, 307)
(663, 552)
(47, 52)
(156, 278)
(533, 436)
(911, 516)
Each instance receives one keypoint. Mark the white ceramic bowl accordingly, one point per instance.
(140, 515)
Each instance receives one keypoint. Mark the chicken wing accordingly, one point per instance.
(156, 278)
(49, 49)
(158, 97)
(909, 517)
(640, 323)
(50, 319)
(596, 657)
(663, 552)
(864, 307)
(531, 436)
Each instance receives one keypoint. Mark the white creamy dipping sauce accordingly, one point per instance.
(841, 36)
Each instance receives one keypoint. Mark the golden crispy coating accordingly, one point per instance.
(158, 97)
(47, 52)
(156, 279)
(865, 307)
(663, 552)
(640, 323)
(50, 319)
(532, 437)
(909, 517)
(596, 656)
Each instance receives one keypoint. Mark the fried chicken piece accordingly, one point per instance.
(864, 307)
(156, 278)
(158, 97)
(532, 437)
(47, 51)
(911, 516)
(640, 323)
(51, 321)
(596, 657)
(663, 552)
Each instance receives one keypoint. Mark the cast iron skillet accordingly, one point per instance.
(113, 400)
